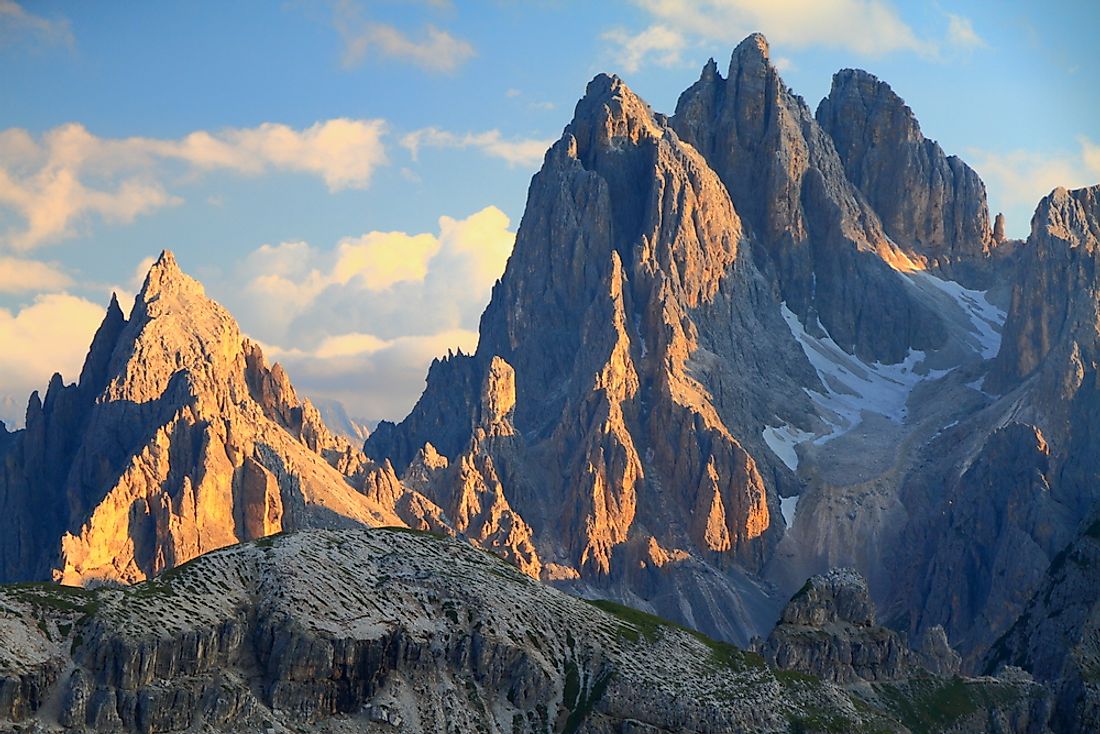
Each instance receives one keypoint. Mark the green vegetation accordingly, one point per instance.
(579, 701)
(933, 704)
(54, 596)
(639, 624)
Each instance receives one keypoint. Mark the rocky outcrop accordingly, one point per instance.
(178, 440)
(828, 629)
(931, 205)
(825, 243)
(327, 630)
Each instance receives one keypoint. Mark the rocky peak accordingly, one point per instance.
(498, 399)
(828, 629)
(789, 186)
(839, 595)
(1056, 297)
(609, 116)
(932, 205)
(999, 229)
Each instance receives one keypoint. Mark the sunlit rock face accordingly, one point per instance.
(931, 205)
(178, 439)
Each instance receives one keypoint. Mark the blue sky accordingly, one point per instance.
(347, 176)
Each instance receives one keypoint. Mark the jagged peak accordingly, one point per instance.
(753, 50)
(872, 93)
(710, 71)
(1072, 215)
(166, 277)
(608, 111)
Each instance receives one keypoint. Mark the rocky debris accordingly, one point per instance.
(833, 260)
(828, 629)
(931, 204)
(1057, 637)
(177, 440)
(328, 630)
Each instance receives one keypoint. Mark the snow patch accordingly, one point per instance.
(987, 320)
(853, 386)
(789, 506)
(782, 441)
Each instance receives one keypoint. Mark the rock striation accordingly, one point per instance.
(931, 205)
(388, 630)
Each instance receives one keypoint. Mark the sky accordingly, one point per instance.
(347, 176)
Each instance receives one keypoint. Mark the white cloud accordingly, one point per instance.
(516, 152)
(866, 27)
(68, 175)
(21, 276)
(50, 335)
(381, 380)
(436, 50)
(960, 32)
(1018, 179)
(360, 322)
(18, 25)
(658, 43)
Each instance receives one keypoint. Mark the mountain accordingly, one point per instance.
(1006, 491)
(732, 350)
(178, 439)
(381, 630)
(702, 324)
(931, 205)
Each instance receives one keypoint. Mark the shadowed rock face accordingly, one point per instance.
(826, 244)
(1058, 635)
(1013, 492)
(177, 440)
(932, 205)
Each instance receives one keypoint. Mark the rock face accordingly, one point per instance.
(1057, 637)
(178, 439)
(387, 630)
(616, 340)
(828, 629)
(1010, 495)
(830, 253)
(932, 205)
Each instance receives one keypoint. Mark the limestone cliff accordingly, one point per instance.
(1057, 638)
(177, 440)
(621, 331)
(931, 205)
(824, 241)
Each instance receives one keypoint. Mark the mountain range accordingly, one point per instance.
(734, 350)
